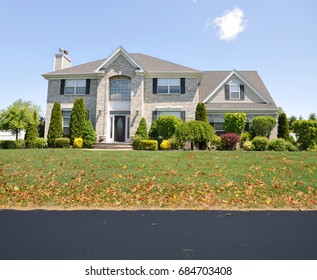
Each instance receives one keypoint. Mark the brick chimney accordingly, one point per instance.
(62, 61)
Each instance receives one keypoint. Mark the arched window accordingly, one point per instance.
(120, 88)
(234, 89)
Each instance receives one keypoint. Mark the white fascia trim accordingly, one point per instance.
(115, 54)
(243, 80)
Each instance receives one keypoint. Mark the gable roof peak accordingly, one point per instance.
(117, 52)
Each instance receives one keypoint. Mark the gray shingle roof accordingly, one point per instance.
(149, 63)
(212, 79)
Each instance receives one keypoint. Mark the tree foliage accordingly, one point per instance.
(166, 126)
(282, 129)
(142, 129)
(200, 113)
(197, 132)
(18, 116)
(56, 125)
(263, 126)
(89, 135)
(235, 122)
(78, 119)
(306, 133)
(32, 131)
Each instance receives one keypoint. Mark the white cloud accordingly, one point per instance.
(230, 24)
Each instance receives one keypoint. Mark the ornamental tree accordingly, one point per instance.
(200, 113)
(142, 129)
(78, 119)
(89, 135)
(282, 129)
(18, 116)
(263, 126)
(55, 129)
(235, 122)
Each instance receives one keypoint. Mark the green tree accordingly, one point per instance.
(18, 116)
(166, 126)
(235, 122)
(306, 133)
(291, 119)
(282, 129)
(55, 129)
(142, 129)
(32, 131)
(200, 113)
(197, 132)
(78, 119)
(312, 117)
(263, 126)
(89, 135)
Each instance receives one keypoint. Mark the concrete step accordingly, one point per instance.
(113, 146)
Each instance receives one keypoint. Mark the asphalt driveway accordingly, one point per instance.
(175, 235)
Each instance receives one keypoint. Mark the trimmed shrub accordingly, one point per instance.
(62, 142)
(278, 145)
(78, 119)
(40, 142)
(56, 125)
(146, 145)
(215, 142)
(235, 122)
(200, 113)
(306, 133)
(136, 142)
(165, 145)
(282, 129)
(260, 143)
(166, 126)
(248, 146)
(230, 141)
(290, 147)
(78, 143)
(263, 126)
(153, 135)
(89, 135)
(142, 129)
(245, 136)
(175, 143)
(8, 144)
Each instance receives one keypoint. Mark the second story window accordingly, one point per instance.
(168, 86)
(234, 89)
(75, 86)
(120, 88)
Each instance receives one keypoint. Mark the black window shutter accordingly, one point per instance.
(62, 86)
(182, 85)
(183, 115)
(154, 116)
(227, 95)
(242, 92)
(154, 85)
(87, 86)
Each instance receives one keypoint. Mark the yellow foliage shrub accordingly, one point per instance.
(78, 142)
(165, 145)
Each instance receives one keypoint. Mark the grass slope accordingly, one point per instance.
(139, 179)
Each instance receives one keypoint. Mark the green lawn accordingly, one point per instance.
(139, 179)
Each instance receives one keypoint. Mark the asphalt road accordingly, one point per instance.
(175, 235)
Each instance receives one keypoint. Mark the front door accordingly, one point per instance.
(119, 128)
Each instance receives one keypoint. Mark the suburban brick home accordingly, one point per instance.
(124, 87)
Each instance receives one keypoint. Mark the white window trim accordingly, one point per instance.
(169, 86)
(75, 87)
(235, 82)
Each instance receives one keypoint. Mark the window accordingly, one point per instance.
(66, 120)
(75, 86)
(177, 114)
(234, 89)
(168, 86)
(120, 88)
(219, 127)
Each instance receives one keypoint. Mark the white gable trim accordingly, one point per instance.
(235, 72)
(120, 51)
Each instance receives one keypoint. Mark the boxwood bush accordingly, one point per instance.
(278, 144)
(260, 143)
(62, 142)
(40, 143)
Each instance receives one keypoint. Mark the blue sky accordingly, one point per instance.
(276, 38)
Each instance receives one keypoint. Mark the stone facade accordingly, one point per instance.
(104, 112)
